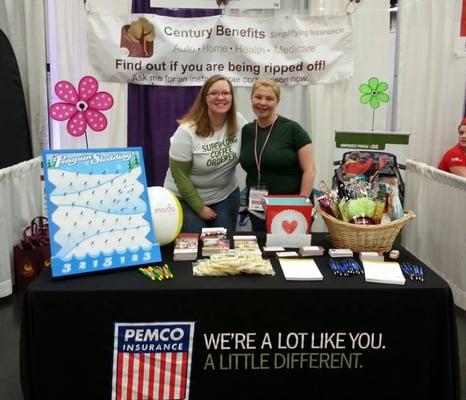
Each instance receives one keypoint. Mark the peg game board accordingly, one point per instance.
(99, 214)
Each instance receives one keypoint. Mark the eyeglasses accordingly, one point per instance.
(215, 95)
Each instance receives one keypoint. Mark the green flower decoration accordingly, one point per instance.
(374, 92)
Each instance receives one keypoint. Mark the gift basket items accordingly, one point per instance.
(363, 211)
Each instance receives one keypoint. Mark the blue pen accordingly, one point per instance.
(343, 269)
(357, 267)
(421, 270)
(333, 267)
(411, 272)
(405, 270)
(418, 272)
(414, 269)
(337, 268)
(346, 267)
(351, 267)
(360, 268)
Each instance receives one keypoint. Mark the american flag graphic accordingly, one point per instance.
(152, 361)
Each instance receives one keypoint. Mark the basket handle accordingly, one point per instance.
(410, 215)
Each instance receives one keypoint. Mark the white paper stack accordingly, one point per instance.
(298, 269)
(383, 272)
(246, 243)
(311, 251)
(283, 254)
(340, 253)
(371, 256)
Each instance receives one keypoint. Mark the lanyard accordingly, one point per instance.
(258, 159)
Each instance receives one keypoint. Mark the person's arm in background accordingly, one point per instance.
(306, 162)
(460, 171)
(180, 171)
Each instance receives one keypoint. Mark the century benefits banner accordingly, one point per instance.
(149, 49)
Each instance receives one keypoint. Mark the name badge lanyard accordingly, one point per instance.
(259, 158)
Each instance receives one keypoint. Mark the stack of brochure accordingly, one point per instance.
(186, 245)
(214, 240)
(247, 243)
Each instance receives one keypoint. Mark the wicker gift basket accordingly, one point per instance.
(359, 238)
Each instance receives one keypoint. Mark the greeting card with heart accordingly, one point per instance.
(288, 220)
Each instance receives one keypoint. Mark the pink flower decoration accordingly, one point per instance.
(81, 108)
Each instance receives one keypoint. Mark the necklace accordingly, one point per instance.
(258, 158)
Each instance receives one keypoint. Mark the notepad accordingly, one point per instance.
(296, 269)
(383, 272)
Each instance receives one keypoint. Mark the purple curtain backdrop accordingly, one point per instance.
(153, 110)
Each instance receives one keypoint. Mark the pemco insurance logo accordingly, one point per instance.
(152, 360)
(137, 39)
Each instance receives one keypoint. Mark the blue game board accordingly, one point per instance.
(99, 214)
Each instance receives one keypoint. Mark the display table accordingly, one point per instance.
(330, 339)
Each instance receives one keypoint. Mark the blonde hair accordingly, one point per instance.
(198, 113)
(267, 83)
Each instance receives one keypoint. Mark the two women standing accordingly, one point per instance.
(276, 153)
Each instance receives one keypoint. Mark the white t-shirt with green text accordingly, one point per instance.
(214, 159)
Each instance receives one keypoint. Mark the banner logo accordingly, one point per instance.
(152, 360)
(137, 39)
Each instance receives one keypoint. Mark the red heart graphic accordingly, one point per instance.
(289, 226)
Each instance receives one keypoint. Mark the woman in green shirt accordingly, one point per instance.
(276, 152)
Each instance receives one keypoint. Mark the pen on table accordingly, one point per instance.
(349, 267)
(344, 268)
(146, 274)
(339, 268)
(421, 273)
(411, 271)
(333, 267)
(171, 272)
(406, 270)
(418, 272)
(157, 274)
(167, 272)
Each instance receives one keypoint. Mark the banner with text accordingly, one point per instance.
(149, 49)
(460, 25)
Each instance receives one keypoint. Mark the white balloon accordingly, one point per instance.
(167, 214)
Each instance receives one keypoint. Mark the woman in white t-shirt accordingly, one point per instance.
(204, 151)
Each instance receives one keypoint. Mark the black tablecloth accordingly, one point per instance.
(336, 338)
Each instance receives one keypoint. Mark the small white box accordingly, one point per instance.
(340, 253)
(306, 251)
(287, 254)
(370, 256)
(272, 249)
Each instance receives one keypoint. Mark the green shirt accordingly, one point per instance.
(280, 169)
